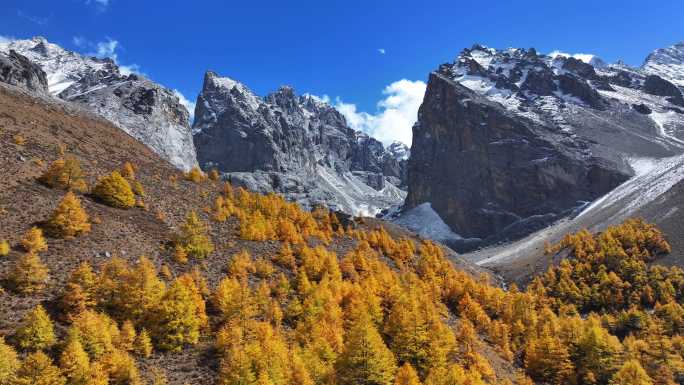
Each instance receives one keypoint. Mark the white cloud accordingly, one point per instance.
(382, 51)
(107, 48)
(185, 102)
(396, 114)
(6, 39)
(79, 41)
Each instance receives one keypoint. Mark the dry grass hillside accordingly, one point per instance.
(33, 134)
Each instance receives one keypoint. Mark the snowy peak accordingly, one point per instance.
(63, 68)
(667, 63)
(145, 110)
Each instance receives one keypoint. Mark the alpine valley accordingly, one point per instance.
(531, 234)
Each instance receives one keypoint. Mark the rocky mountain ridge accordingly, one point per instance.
(509, 141)
(145, 110)
(296, 145)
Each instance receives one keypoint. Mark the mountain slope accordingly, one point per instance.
(299, 146)
(147, 111)
(51, 129)
(509, 141)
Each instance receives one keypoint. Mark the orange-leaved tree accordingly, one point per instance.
(69, 219)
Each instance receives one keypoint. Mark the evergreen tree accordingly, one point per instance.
(69, 219)
(29, 274)
(38, 369)
(114, 190)
(366, 360)
(34, 241)
(36, 331)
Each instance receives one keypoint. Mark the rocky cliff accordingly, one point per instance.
(145, 110)
(508, 141)
(296, 145)
(19, 71)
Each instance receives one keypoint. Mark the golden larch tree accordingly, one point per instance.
(69, 219)
(114, 190)
(36, 331)
(34, 241)
(29, 274)
(38, 369)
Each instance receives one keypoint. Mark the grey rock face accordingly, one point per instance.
(145, 110)
(667, 63)
(509, 141)
(296, 145)
(17, 70)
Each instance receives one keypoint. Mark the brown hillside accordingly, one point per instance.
(34, 133)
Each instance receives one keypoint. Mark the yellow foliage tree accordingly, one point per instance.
(69, 219)
(366, 360)
(194, 237)
(34, 241)
(28, 274)
(9, 363)
(195, 175)
(631, 373)
(65, 174)
(75, 363)
(121, 368)
(176, 321)
(128, 170)
(127, 336)
(114, 190)
(36, 331)
(143, 344)
(4, 248)
(96, 332)
(38, 369)
(214, 175)
(406, 375)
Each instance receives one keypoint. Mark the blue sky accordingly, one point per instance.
(333, 48)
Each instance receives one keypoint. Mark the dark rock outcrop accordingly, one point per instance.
(509, 141)
(655, 85)
(17, 70)
(484, 169)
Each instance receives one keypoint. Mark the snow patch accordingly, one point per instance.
(425, 221)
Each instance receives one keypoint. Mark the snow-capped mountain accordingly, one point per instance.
(145, 110)
(296, 145)
(509, 141)
(667, 63)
